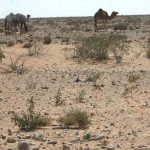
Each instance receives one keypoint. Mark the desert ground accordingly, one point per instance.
(116, 98)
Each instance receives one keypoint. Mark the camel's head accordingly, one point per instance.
(28, 16)
(114, 14)
(100, 11)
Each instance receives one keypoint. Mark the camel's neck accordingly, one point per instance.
(110, 17)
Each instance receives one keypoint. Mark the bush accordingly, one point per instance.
(121, 26)
(36, 49)
(47, 40)
(93, 48)
(16, 66)
(75, 118)
(98, 48)
(29, 120)
(118, 46)
(10, 43)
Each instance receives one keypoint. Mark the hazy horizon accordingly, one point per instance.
(67, 8)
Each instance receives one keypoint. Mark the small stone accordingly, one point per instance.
(110, 147)
(52, 142)
(66, 147)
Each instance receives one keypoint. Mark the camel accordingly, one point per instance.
(21, 21)
(13, 20)
(9, 23)
(103, 15)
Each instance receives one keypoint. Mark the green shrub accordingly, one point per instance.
(87, 136)
(29, 120)
(75, 118)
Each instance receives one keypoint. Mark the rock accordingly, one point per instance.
(23, 145)
(9, 132)
(52, 142)
(3, 136)
(110, 147)
(66, 147)
(100, 136)
(10, 140)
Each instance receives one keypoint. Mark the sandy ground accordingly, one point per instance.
(119, 109)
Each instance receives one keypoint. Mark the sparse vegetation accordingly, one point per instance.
(93, 48)
(148, 48)
(30, 83)
(1, 55)
(47, 40)
(75, 117)
(98, 48)
(93, 77)
(58, 98)
(29, 120)
(132, 77)
(118, 46)
(17, 65)
(10, 43)
(36, 49)
(87, 136)
(121, 26)
(81, 96)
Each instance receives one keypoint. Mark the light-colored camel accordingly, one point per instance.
(103, 15)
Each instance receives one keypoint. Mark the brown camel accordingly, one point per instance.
(103, 15)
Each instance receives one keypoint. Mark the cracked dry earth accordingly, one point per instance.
(119, 107)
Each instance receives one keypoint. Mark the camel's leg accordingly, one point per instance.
(21, 28)
(95, 25)
(105, 24)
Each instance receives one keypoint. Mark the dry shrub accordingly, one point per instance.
(47, 40)
(148, 48)
(36, 49)
(98, 47)
(16, 65)
(10, 43)
(134, 20)
(121, 26)
(118, 46)
(133, 77)
(93, 48)
(75, 117)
